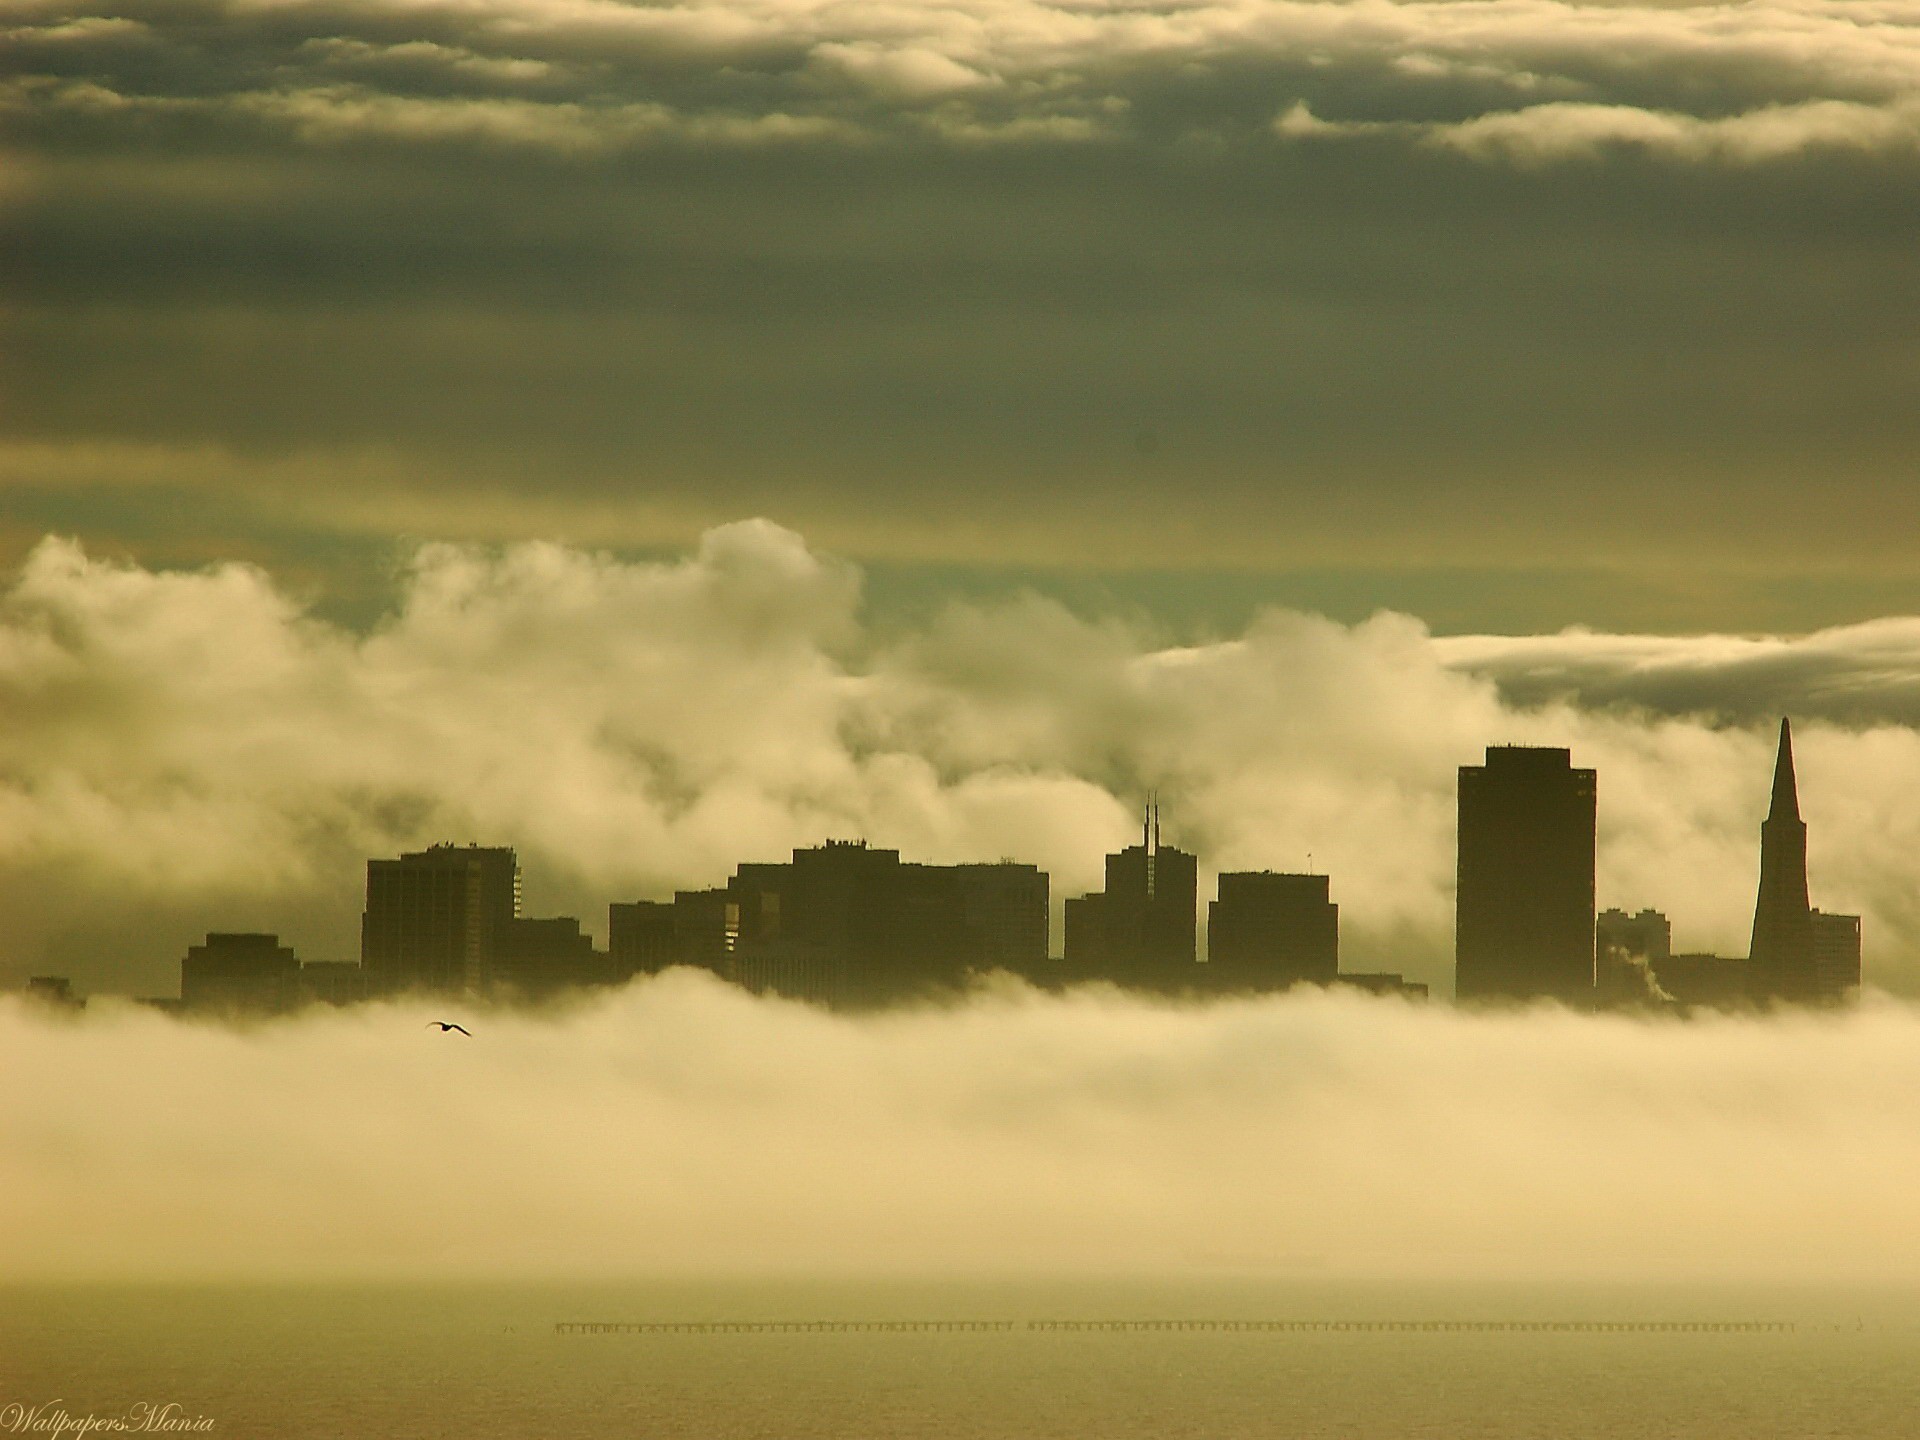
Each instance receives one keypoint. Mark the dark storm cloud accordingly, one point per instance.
(1440, 287)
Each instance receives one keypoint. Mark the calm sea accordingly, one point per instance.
(473, 1362)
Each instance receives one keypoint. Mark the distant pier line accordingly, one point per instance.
(787, 1327)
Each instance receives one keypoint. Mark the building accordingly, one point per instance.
(240, 974)
(1645, 935)
(794, 970)
(849, 924)
(1524, 921)
(1836, 957)
(538, 958)
(1140, 930)
(1083, 935)
(1783, 954)
(1268, 931)
(1701, 981)
(1006, 909)
(333, 982)
(706, 928)
(437, 919)
(1628, 951)
(640, 937)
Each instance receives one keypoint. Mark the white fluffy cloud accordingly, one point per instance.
(192, 750)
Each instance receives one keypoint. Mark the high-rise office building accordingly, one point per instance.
(1782, 953)
(1005, 908)
(1524, 922)
(640, 937)
(1836, 957)
(1268, 931)
(847, 923)
(1140, 930)
(437, 919)
(333, 982)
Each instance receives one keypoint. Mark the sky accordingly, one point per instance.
(1511, 314)
(658, 436)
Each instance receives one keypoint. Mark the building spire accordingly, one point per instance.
(1782, 953)
(1786, 795)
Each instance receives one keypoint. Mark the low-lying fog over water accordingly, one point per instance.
(349, 1224)
(681, 1126)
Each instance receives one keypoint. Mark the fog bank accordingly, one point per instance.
(683, 1126)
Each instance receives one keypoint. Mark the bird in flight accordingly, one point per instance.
(446, 1025)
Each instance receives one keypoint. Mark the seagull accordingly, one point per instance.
(446, 1025)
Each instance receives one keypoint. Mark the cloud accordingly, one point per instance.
(682, 1127)
(196, 750)
(1701, 83)
(1482, 299)
(1544, 134)
(1856, 675)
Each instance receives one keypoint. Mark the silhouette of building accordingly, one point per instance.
(1083, 936)
(1646, 935)
(1268, 931)
(538, 958)
(706, 928)
(1006, 909)
(1836, 956)
(55, 992)
(1629, 949)
(333, 982)
(240, 974)
(437, 919)
(849, 924)
(795, 970)
(1695, 980)
(1140, 930)
(1524, 922)
(640, 937)
(1784, 963)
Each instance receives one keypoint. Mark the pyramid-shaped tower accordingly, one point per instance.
(1783, 947)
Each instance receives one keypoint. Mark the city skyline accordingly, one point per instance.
(851, 926)
(695, 693)
(636, 728)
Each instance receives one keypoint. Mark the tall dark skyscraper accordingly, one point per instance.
(1524, 923)
(1268, 931)
(1140, 930)
(438, 919)
(1783, 953)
